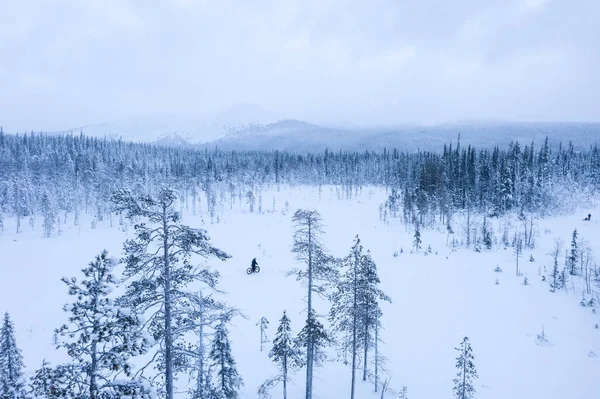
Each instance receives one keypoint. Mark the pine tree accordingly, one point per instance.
(574, 254)
(287, 356)
(463, 383)
(100, 336)
(417, 238)
(63, 381)
(227, 381)
(318, 276)
(11, 363)
(158, 267)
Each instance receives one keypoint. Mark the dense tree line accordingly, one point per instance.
(53, 177)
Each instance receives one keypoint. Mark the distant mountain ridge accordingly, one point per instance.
(250, 127)
(300, 136)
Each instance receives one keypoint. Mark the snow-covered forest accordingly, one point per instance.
(47, 176)
(465, 272)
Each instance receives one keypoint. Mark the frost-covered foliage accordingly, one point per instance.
(226, 380)
(355, 312)
(159, 266)
(200, 316)
(318, 275)
(287, 356)
(11, 362)
(466, 375)
(100, 337)
(50, 175)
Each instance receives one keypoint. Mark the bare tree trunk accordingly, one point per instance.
(309, 346)
(200, 379)
(285, 377)
(366, 348)
(354, 321)
(167, 302)
(376, 352)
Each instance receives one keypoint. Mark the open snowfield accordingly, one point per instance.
(436, 299)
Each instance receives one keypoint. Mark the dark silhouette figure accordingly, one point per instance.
(589, 217)
(254, 264)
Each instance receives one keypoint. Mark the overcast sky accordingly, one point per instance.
(66, 63)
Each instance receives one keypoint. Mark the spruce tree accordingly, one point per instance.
(100, 336)
(227, 381)
(49, 213)
(158, 268)
(417, 238)
(287, 356)
(463, 383)
(574, 254)
(11, 363)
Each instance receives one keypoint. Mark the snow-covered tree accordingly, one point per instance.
(355, 312)
(466, 375)
(100, 336)
(345, 313)
(49, 213)
(201, 316)
(263, 323)
(518, 250)
(63, 381)
(287, 356)
(12, 384)
(369, 297)
(318, 275)
(486, 235)
(417, 238)
(574, 254)
(555, 281)
(226, 381)
(158, 267)
(251, 200)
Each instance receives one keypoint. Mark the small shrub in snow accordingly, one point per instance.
(498, 269)
(542, 339)
(525, 281)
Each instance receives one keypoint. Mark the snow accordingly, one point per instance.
(437, 300)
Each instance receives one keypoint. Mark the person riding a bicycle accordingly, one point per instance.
(254, 264)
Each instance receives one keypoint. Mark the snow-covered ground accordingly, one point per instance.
(436, 299)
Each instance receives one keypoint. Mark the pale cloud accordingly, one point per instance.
(71, 62)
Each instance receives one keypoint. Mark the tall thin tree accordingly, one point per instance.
(158, 267)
